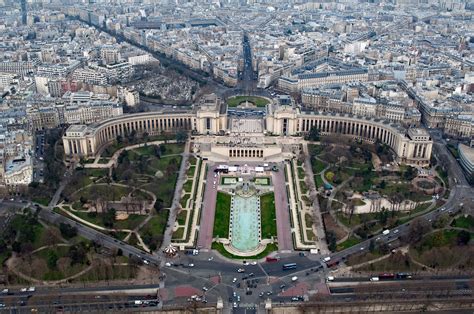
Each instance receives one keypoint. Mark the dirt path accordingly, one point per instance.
(12, 261)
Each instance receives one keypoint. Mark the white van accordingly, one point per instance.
(294, 278)
(330, 278)
(385, 232)
(326, 259)
(374, 279)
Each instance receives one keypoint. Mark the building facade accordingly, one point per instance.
(411, 146)
(466, 160)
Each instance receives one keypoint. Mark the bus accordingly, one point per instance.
(272, 259)
(289, 266)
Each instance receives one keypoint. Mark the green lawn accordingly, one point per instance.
(437, 239)
(158, 223)
(301, 173)
(319, 181)
(308, 220)
(315, 150)
(111, 149)
(222, 216)
(184, 200)
(219, 247)
(46, 235)
(96, 172)
(303, 187)
(96, 218)
(60, 271)
(357, 219)
(108, 272)
(262, 181)
(317, 165)
(351, 241)
(395, 262)
(192, 160)
(228, 180)
(257, 101)
(173, 149)
(90, 217)
(164, 187)
(310, 235)
(182, 217)
(178, 234)
(188, 185)
(119, 234)
(152, 232)
(144, 150)
(191, 171)
(466, 222)
(42, 200)
(107, 192)
(443, 175)
(163, 162)
(268, 215)
(141, 195)
(131, 223)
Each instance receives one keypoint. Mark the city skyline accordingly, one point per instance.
(236, 156)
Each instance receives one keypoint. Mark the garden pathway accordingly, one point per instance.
(175, 205)
(331, 198)
(113, 159)
(318, 221)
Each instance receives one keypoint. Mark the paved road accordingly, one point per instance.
(247, 82)
(208, 210)
(285, 240)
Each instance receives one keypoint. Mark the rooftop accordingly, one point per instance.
(467, 152)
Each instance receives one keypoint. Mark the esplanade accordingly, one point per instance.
(281, 125)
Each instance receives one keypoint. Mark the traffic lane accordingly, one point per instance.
(228, 269)
(97, 236)
(302, 264)
(402, 230)
(43, 291)
(7, 204)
